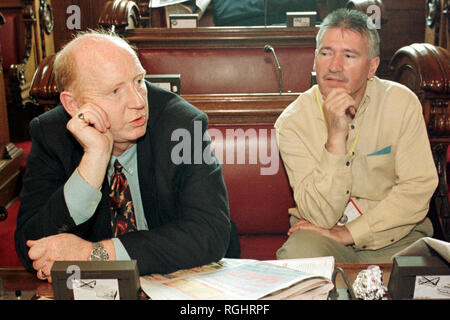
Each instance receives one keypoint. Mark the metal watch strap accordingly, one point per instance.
(98, 252)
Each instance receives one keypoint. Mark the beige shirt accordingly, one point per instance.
(391, 175)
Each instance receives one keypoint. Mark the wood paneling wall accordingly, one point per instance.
(405, 25)
(90, 13)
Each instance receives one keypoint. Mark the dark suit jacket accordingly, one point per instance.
(185, 205)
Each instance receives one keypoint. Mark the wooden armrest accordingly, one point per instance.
(424, 68)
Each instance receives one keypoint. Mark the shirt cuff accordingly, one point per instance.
(121, 252)
(361, 233)
(81, 198)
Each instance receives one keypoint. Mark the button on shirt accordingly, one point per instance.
(82, 199)
(391, 171)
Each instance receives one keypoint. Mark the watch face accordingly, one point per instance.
(99, 253)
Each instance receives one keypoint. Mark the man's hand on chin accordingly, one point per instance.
(337, 233)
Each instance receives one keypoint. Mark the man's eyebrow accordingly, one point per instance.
(142, 73)
(346, 50)
(115, 85)
(352, 51)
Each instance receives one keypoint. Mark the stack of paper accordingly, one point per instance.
(239, 279)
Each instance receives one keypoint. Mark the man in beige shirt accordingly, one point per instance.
(356, 152)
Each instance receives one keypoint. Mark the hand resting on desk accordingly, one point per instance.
(64, 246)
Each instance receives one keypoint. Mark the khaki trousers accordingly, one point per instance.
(309, 244)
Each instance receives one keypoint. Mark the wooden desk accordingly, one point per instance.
(16, 278)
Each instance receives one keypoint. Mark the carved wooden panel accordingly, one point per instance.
(437, 22)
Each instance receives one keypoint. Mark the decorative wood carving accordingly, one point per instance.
(120, 15)
(440, 202)
(46, 22)
(146, 13)
(437, 22)
(46, 16)
(433, 10)
(17, 71)
(425, 69)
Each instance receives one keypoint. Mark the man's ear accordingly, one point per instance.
(68, 101)
(373, 66)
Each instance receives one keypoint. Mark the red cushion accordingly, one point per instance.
(258, 203)
(232, 70)
(26, 146)
(261, 247)
(8, 255)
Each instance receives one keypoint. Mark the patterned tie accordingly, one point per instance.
(123, 218)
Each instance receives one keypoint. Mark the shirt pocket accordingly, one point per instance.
(373, 176)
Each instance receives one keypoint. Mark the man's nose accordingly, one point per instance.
(137, 96)
(335, 64)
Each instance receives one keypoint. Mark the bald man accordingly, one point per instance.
(178, 215)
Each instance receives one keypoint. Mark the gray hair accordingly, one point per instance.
(352, 20)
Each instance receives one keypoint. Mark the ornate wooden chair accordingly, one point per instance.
(424, 68)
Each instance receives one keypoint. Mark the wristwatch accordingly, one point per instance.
(98, 252)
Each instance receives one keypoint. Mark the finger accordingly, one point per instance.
(296, 227)
(41, 274)
(37, 250)
(99, 113)
(335, 91)
(104, 115)
(91, 118)
(350, 112)
(302, 224)
(339, 101)
(47, 270)
(341, 106)
(30, 243)
(40, 263)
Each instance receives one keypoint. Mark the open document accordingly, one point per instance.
(426, 247)
(238, 279)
